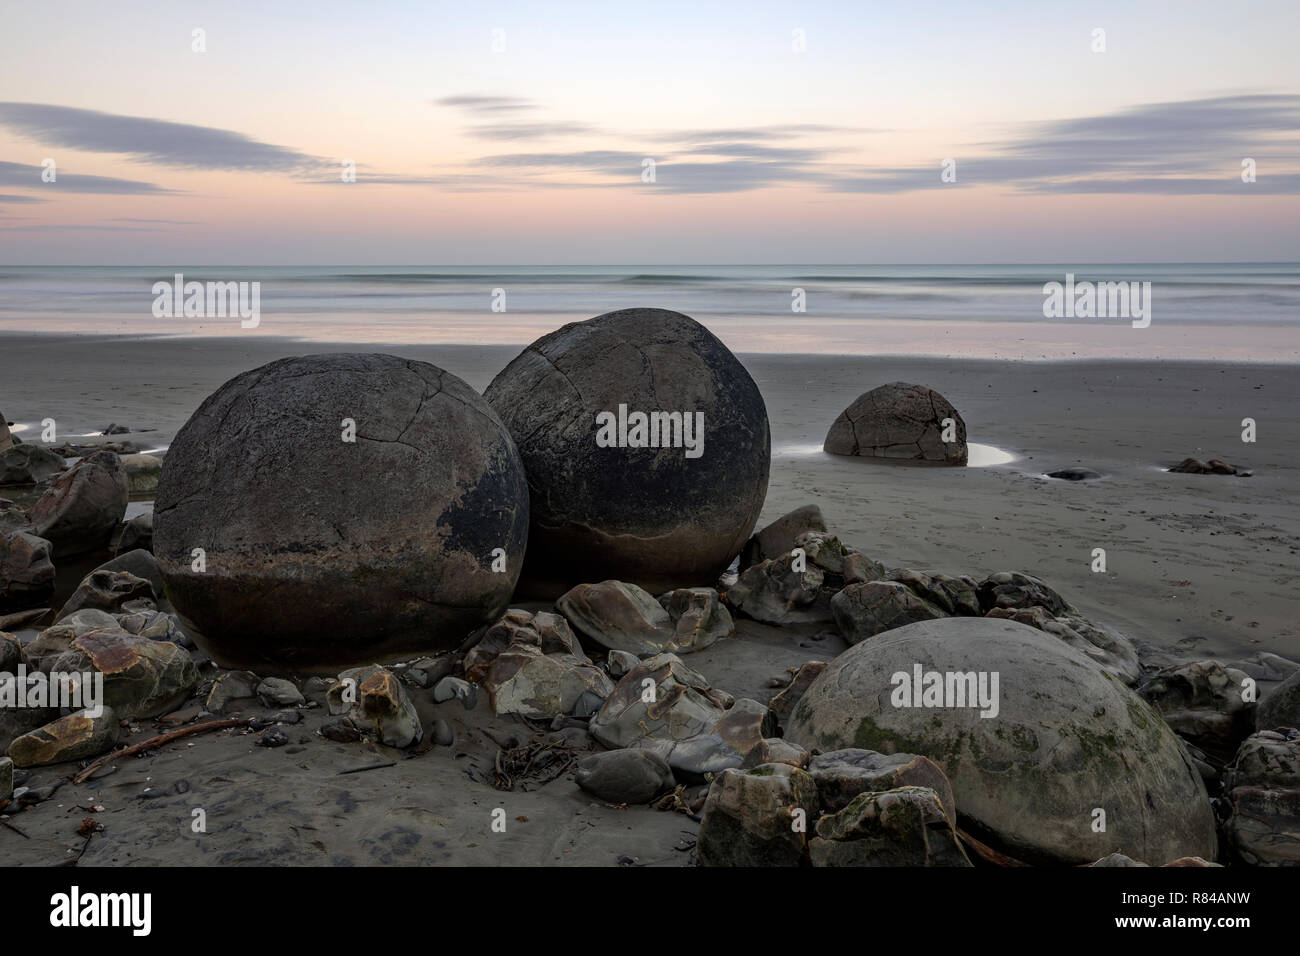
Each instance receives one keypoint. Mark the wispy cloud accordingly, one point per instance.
(529, 130)
(21, 175)
(1179, 148)
(487, 104)
(146, 140)
(16, 199)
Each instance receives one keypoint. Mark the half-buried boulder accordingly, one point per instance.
(1033, 736)
(901, 422)
(347, 509)
(647, 451)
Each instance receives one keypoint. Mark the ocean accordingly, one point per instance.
(1245, 311)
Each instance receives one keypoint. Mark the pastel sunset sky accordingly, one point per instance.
(516, 133)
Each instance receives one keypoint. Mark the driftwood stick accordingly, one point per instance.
(154, 742)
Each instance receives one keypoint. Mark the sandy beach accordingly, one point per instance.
(1198, 566)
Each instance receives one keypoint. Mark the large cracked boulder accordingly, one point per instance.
(319, 552)
(1061, 739)
(621, 487)
(901, 422)
(81, 509)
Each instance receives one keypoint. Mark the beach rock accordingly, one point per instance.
(107, 591)
(13, 518)
(453, 688)
(1263, 826)
(699, 619)
(278, 692)
(775, 593)
(778, 538)
(230, 687)
(6, 778)
(1066, 738)
(1202, 701)
(661, 698)
(142, 472)
(867, 609)
(522, 680)
(137, 534)
(11, 653)
(26, 570)
(1281, 706)
(547, 632)
(1112, 651)
(15, 721)
(142, 678)
(116, 429)
(1190, 466)
(797, 588)
(757, 817)
(47, 646)
(384, 702)
(1116, 860)
(647, 515)
(618, 663)
(155, 625)
(783, 701)
(74, 737)
(81, 508)
(624, 617)
(139, 562)
(6, 437)
(1269, 760)
(1015, 589)
(1075, 474)
(842, 775)
(321, 552)
(624, 776)
(954, 594)
(427, 671)
(738, 734)
(907, 826)
(28, 464)
(899, 421)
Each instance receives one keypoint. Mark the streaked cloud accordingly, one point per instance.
(1188, 147)
(22, 175)
(145, 140)
(487, 104)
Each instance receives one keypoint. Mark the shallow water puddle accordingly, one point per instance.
(979, 456)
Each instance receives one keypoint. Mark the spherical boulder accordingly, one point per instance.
(647, 449)
(1033, 735)
(333, 510)
(901, 422)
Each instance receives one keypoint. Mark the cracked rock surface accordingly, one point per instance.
(300, 529)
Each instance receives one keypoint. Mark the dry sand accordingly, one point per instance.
(1198, 566)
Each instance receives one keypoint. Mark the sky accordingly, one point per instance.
(494, 133)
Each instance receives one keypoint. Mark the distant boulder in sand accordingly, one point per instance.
(647, 450)
(346, 508)
(901, 422)
(1075, 474)
(1190, 466)
(1032, 757)
(81, 509)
